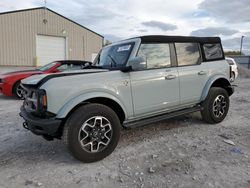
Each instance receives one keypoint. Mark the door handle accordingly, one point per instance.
(170, 77)
(202, 73)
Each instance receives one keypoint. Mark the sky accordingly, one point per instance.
(121, 19)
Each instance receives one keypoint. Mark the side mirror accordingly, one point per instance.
(126, 69)
(137, 63)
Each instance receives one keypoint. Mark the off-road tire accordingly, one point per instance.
(75, 122)
(207, 113)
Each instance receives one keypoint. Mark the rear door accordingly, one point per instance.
(156, 88)
(193, 74)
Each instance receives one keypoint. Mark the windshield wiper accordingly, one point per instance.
(113, 61)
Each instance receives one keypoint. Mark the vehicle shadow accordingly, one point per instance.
(3, 97)
(34, 150)
(28, 148)
(151, 130)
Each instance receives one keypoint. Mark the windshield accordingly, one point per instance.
(114, 56)
(47, 67)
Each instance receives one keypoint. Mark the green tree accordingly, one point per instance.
(228, 53)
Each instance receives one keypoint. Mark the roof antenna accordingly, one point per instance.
(44, 14)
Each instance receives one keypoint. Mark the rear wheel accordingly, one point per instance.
(216, 105)
(18, 90)
(92, 132)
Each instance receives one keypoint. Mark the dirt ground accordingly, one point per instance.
(179, 152)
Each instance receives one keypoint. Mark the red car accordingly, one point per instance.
(10, 82)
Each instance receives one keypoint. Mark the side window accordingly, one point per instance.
(62, 67)
(76, 66)
(213, 51)
(187, 53)
(67, 67)
(157, 55)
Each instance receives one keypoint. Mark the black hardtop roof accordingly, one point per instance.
(165, 38)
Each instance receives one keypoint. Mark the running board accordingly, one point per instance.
(145, 121)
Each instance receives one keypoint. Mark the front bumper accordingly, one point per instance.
(6, 89)
(40, 126)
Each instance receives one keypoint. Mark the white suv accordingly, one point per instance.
(234, 68)
(131, 83)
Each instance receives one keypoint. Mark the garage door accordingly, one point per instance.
(50, 49)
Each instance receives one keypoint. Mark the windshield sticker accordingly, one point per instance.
(123, 48)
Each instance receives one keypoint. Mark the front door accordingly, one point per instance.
(156, 88)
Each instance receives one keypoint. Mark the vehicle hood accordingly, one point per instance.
(42, 78)
(23, 72)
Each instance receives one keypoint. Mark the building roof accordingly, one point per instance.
(22, 10)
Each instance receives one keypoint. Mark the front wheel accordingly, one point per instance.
(216, 105)
(18, 90)
(92, 132)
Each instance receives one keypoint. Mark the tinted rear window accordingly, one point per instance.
(213, 51)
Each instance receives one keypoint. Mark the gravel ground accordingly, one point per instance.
(179, 152)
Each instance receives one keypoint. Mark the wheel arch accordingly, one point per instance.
(105, 99)
(14, 85)
(217, 81)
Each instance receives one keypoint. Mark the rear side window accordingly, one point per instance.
(187, 54)
(212, 51)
